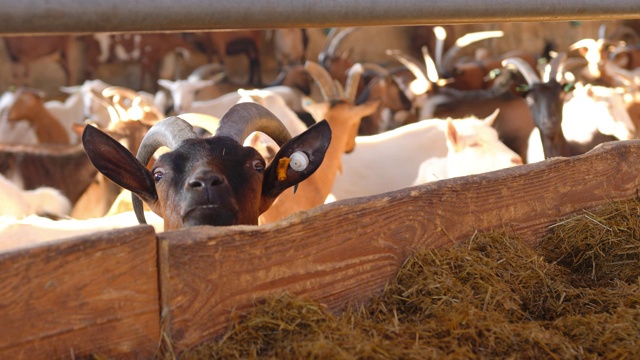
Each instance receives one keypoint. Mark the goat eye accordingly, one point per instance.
(158, 174)
(258, 165)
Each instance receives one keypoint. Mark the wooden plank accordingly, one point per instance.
(348, 250)
(95, 294)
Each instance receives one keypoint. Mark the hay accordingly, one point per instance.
(575, 296)
(603, 245)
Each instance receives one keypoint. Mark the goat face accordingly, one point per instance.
(212, 181)
(545, 102)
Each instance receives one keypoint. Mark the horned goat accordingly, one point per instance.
(514, 122)
(209, 181)
(553, 118)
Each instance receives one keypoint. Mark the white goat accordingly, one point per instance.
(183, 94)
(36, 229)
(18, 203)
(83, 103)
(472, 149)
(392, 160)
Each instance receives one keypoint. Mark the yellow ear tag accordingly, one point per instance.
(283, 165)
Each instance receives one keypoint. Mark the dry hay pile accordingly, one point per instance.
(575, 296)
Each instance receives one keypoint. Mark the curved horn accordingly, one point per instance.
(524, 68)
(602, 31)
(623, 31)
(441, 36)
(244, 118)
(353, 79)
(323, 79)
(421, 82)
(332, 41)
(206, 71)
(432, 69)
(555, 67)
(169, 132)
(119, 90)
(463, 41)
(207, 122)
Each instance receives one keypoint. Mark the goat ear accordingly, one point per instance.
(118, 164)
(453, 140)
(281, 174)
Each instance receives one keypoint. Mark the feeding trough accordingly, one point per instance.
(123, 293)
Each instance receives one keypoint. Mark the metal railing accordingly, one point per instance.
(87, 16)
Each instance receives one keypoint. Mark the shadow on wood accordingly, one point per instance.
(349, 250)
(79, 296)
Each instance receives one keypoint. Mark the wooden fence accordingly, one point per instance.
(121, 293)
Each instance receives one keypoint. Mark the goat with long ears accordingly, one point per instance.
(209, 181)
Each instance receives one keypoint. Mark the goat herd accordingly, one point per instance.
(204, 150)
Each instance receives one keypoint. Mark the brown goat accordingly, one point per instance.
(393, 95)
(29, 105)
(22, 50)
(337, 64)
(343, 116)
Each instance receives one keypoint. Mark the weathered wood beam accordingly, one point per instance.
(349, 250)
(80, 16)
(87, 295)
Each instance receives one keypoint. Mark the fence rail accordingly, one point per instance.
(80, 16)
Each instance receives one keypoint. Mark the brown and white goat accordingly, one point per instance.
(209, 181)
(29, 105)
(343, 115)
(63, 167)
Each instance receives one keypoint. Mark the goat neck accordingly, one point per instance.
(29, 105)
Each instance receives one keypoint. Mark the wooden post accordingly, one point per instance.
(95, 294)
(347, 251)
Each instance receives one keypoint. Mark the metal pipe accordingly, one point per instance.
(82, 16)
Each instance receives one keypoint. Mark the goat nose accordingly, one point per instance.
(205, 179)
